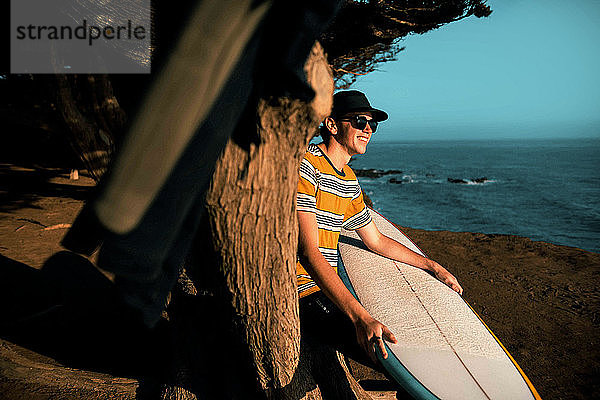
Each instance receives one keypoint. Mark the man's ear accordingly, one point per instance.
(331, 125)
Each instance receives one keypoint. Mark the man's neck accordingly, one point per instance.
(336, 153)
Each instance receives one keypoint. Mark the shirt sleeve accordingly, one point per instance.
(307, 188)
(357, 215)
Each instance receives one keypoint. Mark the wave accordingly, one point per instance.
(473, 181)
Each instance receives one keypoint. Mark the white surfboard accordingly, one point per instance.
(444, 349)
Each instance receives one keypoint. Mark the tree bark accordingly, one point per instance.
(236, 318)
(252, 208)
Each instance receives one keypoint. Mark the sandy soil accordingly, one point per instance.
(541, 300)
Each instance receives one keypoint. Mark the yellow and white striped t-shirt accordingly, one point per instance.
(336, 199)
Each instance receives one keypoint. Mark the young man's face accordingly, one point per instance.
(349, 134)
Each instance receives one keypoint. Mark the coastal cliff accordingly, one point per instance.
(541, 300)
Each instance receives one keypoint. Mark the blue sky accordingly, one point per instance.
(531, 69)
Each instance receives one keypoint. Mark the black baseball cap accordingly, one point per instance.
(349, 101)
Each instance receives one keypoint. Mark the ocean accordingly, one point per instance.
(546, 190)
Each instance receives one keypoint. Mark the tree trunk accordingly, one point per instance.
(252, 208)
(236, 321)
(94, 123)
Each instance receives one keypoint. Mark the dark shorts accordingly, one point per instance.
(321, 320)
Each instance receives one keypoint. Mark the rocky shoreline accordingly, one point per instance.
(378, 173)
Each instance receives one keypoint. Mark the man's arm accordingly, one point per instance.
(330, 283)
(388, 247)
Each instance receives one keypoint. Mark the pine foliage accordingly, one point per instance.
(366, 33)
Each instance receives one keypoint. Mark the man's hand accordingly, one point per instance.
(370, 334)
(446, 277)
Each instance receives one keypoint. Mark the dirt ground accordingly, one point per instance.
(541, 300)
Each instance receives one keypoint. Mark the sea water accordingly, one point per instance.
(546, 190)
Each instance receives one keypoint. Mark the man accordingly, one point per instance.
(328, 198)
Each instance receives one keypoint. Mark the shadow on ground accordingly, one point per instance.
(70, 312)
(20, 187)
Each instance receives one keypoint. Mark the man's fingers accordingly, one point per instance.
(382, 348)
(378, 342)
(450, 280)
(460, 289)
(456, 287)
(389, 335)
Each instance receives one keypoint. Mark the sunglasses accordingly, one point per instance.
(360, 122)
